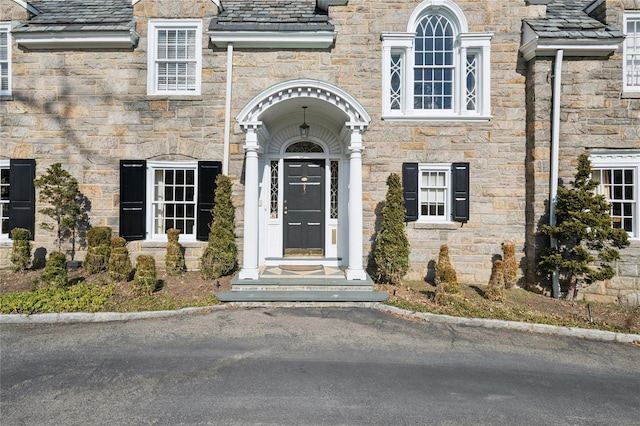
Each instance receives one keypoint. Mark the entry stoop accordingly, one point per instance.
(317, 284)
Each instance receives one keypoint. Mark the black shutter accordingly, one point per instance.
(410, 188)
(207, 173)
(460, 193)
(22, 195)
(133, 176)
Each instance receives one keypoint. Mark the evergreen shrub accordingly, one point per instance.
(99, 249)
(447, 287)
(391, 254)
(55, 270)
(510, 265)
(220, 257)
(145, 279)
(21, 252)
(119, 261)
(496, 289)
(174, 259)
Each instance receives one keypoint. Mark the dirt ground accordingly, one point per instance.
(521, 305)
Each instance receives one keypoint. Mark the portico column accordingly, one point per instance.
(355, 270)
(250, 270)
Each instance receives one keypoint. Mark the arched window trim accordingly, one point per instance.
(472, 52)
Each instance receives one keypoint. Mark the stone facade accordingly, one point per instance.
(88, 109)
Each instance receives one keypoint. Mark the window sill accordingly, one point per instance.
(6, 98)
(435, 225)
(630, 95)
(447, 118)
(150, 244)
(176, 97)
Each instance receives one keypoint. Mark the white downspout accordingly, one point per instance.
(555, 152)
(227, 111)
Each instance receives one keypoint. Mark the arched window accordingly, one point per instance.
(436, 70)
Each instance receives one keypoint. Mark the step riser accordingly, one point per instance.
(299, 288)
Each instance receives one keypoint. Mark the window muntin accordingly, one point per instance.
(4, 200)
(434, 65)
(274, 189)
(619, 186)
(434, 198)
(175, 57)
(631, 48)
(173, 199)
(5, 58)
(334, 188)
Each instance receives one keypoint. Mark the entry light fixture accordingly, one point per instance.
(304, 127)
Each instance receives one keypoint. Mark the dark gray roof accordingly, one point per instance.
(271, 15)
(568, 19)
(79, 15)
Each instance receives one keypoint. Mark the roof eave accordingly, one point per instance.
(49, 40)
(274, 39)
(324, 4)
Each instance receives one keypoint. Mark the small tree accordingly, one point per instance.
(21, 253)
(391, 253)
(510, 265)
(447, 286)
(146, 277)
(55, 270)
(583, 229)
(174, 259)
(119, 261)
(220, 257)
(99, 249)
(68, 206)
(496, 289)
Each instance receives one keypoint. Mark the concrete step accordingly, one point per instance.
(302, 296)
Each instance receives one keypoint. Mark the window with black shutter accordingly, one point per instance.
(410, 190)
(460, 193)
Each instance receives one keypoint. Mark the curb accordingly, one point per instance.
(81, 317)
(600, 335)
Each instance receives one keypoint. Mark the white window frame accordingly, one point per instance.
(156, 25)
(465, 43)
(152, 166)
(439, 168)
(631, 17)
(5, 27)
(4, 165)
(606, 161)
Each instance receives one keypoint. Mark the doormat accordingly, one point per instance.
(300, 268)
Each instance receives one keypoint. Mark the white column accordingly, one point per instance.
(250, 270)
(355, 271)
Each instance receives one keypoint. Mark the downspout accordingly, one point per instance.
(555, 152)
(227, 111)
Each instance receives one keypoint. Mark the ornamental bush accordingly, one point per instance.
(496, 289)
(145, 279)
(447, 287)
(220, 257)
(391, 254)
(99, 249)
(119, 261)
(55, 270)
(174, 259)
(21, 253)
(510, 265)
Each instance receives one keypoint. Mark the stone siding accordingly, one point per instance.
(89, 109)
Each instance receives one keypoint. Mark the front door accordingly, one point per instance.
(303, 208)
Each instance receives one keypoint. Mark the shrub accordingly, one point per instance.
(119, 266)
(145, 279)
(496, 289)
(99, 240)
(77, 298)
(447, 287)
(220, 257)
(21, 253)
(174, 259)
(510, 265)
(583, 229)
(391, 253)
(55, 270)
